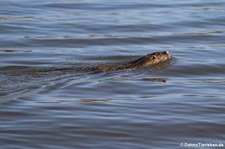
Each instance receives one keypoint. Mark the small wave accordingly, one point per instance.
(196, 70)
(12, 50)
(14, 68)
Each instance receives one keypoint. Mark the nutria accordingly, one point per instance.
(148, 60)
(145, 61)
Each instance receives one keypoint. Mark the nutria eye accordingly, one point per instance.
(154, 57)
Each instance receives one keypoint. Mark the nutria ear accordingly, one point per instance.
(154, 57)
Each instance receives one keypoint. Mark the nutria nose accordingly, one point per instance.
(168, 53)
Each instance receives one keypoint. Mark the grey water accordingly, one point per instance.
(114, 110)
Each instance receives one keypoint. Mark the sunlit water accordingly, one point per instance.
(44, 106)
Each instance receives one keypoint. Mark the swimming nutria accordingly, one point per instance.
(145, 61)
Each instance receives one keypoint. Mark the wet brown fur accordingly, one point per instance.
(145, 61)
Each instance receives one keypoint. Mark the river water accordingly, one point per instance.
(114, 110)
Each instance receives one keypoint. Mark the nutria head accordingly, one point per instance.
(152, 59)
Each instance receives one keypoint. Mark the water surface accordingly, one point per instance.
(125, 109)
